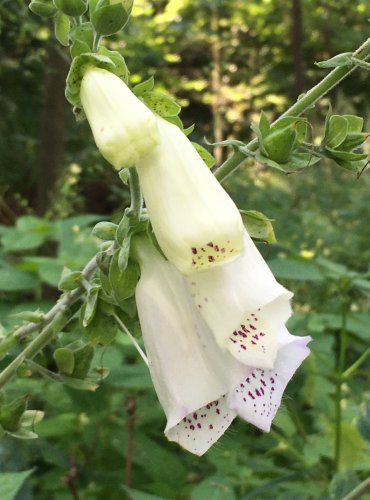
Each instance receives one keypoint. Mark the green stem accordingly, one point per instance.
(359, 490)
(342, 344)
(356, 364)
(136, 195)
(305, 102)
(33, 348)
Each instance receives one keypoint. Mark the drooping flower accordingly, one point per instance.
(196, 223)
(243, 305)
(200, 386)
(124, 128)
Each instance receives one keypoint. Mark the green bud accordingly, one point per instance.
(65, 360)
(69, 280)
(11, 413)
(72, 8)
(110, 16)
(43, 8)
(280, 144)
(105, 230)
(83, 357)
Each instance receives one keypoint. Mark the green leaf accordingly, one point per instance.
(14, 280)
(123, 283)
(102, 329)
(264, 125)
(353, 166)
(73, 8)
(363, 423)
(258, 226)
(83, 357)
(352, 141)
(82, 37)
(213, 488)
(62, 26)
(43, 8)
(161, 104)
(11, 483)
(295, 270)
(123, 254)
(338, 61)
(204, 154)
(123, 229)
(355, 123)
(30, 418)
(140, 495)
(90, 305)
(65, 360)
(11, 413)
(255, 128)
(346, 156)
(336, 132)
(143, 87)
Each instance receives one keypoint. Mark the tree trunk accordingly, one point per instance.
(216, 84)
(52, 127)
(297, 37)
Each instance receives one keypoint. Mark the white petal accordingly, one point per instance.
(243, 305)
(188, 369)
(258, 396)
(124, 128)
(199, 430)
(196, 223)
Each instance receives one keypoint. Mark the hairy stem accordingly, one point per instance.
(136, 195)
(342, 344)
(359, 490)
(303, 103)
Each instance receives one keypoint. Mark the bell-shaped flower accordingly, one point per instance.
(124, 128)
(196, 223)
(200, 386)
(243, 305)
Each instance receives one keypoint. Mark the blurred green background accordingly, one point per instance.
(224, 61)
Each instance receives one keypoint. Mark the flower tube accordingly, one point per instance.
(196, 223)
(124, 128)
(201, 387)
(243, 305)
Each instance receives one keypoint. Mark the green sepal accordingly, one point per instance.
(345, 155)
(106, 59)
(335, 131)
(259, 226)
(69, 280)
(103, 260)
(103, 329)
(65, 360)
(352, 166)
(142, 87)
(124, 175)
(264, 125)
(355, 123)
(294, 122)
(73, 8)
(89, 308)
(338, 61)
(30, 316)
(124, 253)
(43, 8)
(83, 39)
(123, 229)
(204, 154)
(62, 25)
(161, 104)
(109, 19)
(352, 141)
(105, 231)
(123, 283)
(260, 137)
(280, 143)
(30, 418)
(11, 414)
(83, 357)
(296, 162)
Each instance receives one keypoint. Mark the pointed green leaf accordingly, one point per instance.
(204, 154)
(161, 104)
(338, 61)
(258, 226)
(62, 26)
(143, 87)
(336, 131)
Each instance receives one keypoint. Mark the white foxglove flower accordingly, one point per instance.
(124, 128)
(196, 223)
(201, 387)
(243, 305)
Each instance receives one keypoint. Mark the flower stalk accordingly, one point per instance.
(303, 103)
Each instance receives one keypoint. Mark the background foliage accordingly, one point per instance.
(224, 62)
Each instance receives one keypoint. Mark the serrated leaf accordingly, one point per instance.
(259, 226)
(204, 154)
(161, 104)
(143, 87)
(62, 26)
(338, 61)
